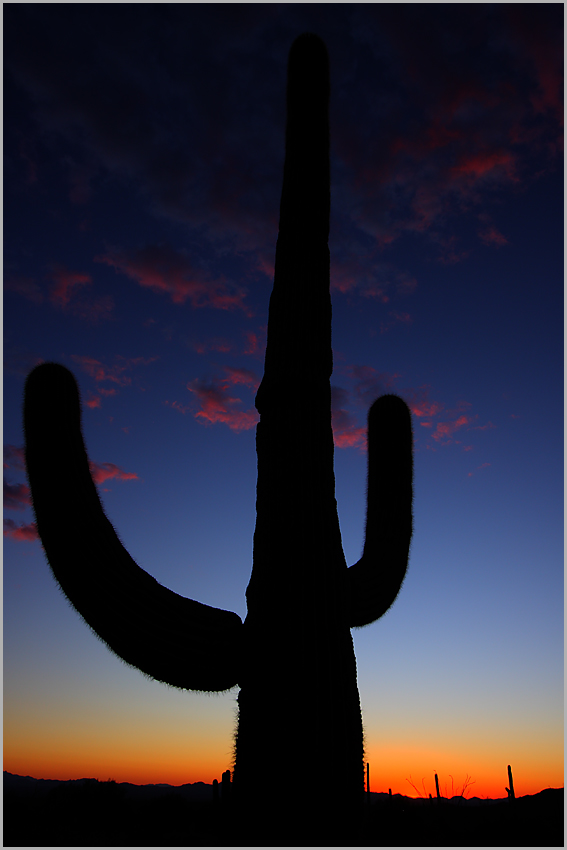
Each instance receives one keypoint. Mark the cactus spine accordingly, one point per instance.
(293, 657)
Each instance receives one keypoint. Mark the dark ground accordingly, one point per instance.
(91, 813)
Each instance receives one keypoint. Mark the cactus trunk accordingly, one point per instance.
(299, 682)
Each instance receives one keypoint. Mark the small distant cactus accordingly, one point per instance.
(293, 657)
(437, 786)
(510, 790)
(226, 788)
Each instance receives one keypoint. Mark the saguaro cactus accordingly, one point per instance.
(510, 790)
(293, 657)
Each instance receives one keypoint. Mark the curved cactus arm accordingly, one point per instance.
(375, 580)
(170, 638)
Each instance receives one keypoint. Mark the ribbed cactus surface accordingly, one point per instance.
(293, 657)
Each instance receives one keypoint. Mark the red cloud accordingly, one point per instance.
(355, 438)
(14, 456)
(445, 430)
(102, 471)
(369, 383)
(218, 406)
(482, 466)
(346, 432)
(16, 496)
(96, 370)
(242, 376)
(178, 406)
(477, 165)
(63, 295)
(94, 310)
(420, 405)
(24, 531)
(65, 283)
(491, 236)
(251, 343)
(359, 270)
(256, 342)
(99, 372)
(163, 269)
(395, 318)
(215, 344)
(93, 401)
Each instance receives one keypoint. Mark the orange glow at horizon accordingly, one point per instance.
(398, 767)
(124, 754)
(395, 769)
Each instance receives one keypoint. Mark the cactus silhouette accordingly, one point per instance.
(293, 657)
(510, 790)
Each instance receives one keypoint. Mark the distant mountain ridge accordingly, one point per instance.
(203, 793)
(192, 791)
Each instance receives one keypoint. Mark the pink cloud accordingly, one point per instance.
(346, 431)
(176, 405)
(164, 269)
(115, 373)
(64, 295)
(16, 496)
(491, 236)
(93, 401)
(217, 405)
(24, 531)
(354, 438)
(94, 310)
(358, 270)
(215, 344)
(242, 376)
(14, 456)
(482, 466)
(420, 404)
(445, 430)
(479, 164)
(395, 317)
(65, 284)
(369, 383)
(251, 343)
(103, 471)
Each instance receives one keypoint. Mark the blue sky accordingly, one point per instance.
(143, 164)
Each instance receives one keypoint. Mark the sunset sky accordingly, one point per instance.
(144, 149)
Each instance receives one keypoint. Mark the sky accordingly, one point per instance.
(143, 157)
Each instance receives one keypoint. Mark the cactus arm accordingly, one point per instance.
(168, 637)
(375, 580)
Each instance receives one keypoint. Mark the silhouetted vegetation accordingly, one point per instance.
(90, 813)
(293, 658)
